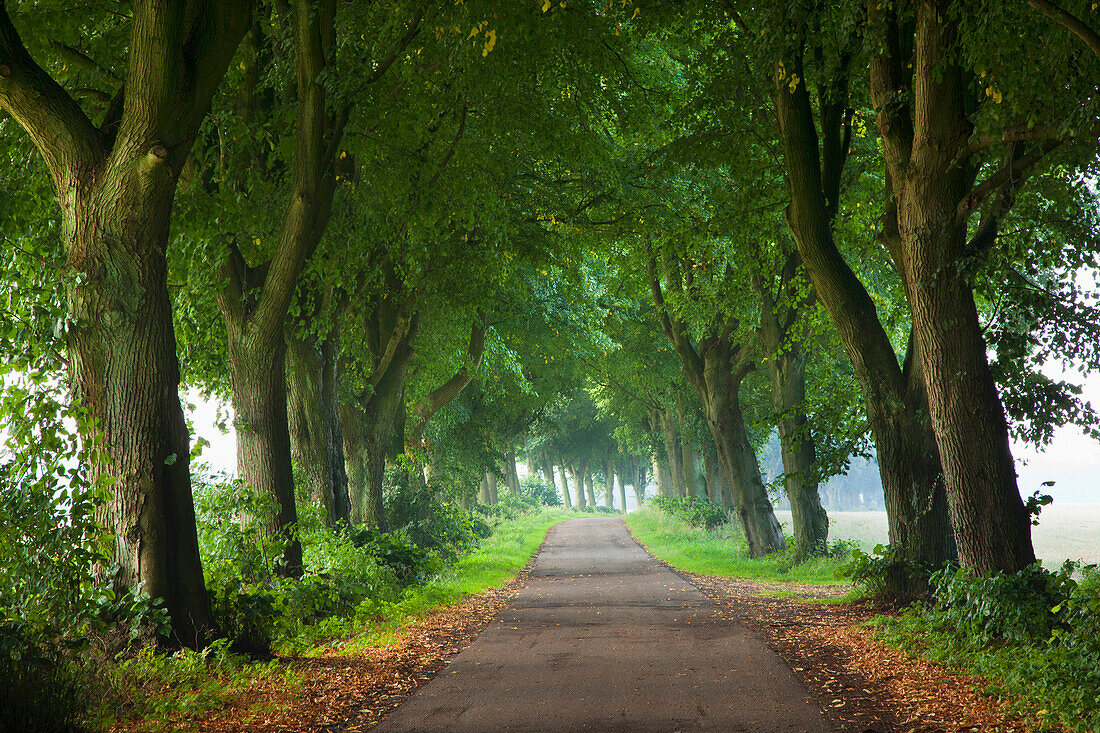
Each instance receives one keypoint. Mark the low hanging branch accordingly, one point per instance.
(1070, 22)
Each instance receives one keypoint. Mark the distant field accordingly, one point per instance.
(1065, 531)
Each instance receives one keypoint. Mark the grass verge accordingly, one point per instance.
(722, 551)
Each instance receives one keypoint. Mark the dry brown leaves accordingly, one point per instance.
(859, 682)
(341, 691)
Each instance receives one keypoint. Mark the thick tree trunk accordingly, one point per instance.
(718, 491)
(257, 374)
(578, 485)
(566, 500)
(483, 494)
(622, 492)
(491, 481)
(123, 369)
(368, 430)
(664, 478)
(670, 433)
(317, 444)
(116, 194)
(692, 486)
(590, 488)
(920, 536)
(640, 482)
(511, 475)
(738, 459)
(931, 178)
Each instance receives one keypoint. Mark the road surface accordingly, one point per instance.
(605, 638)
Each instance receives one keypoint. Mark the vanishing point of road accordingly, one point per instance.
(604, 638)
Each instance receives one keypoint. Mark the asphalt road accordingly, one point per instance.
(604, 638)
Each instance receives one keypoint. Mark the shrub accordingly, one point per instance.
(700, 513)
(534, 491)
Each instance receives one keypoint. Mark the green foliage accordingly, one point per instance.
(533, 490)
(1033, 635)
(698, 513)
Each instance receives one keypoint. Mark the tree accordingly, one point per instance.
(115, 185)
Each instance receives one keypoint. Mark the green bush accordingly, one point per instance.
(534, 491)
(699, 513)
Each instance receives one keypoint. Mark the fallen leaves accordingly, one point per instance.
(858, 681)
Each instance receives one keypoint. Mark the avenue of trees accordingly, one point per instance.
(625, 244)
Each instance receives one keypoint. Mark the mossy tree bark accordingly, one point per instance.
(116, 186)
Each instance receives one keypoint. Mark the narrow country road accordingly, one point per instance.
(604, 638)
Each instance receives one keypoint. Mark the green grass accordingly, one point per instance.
(722, 551)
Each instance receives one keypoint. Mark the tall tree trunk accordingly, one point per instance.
(547, 469)
(674, 449)
(511, 475)
(263, 438)
(578, 484)
(640, 480)
(622, 492)
(787, 373)
(317, 444)
(491, 480)
(664, 477)
(368, 425)
(116, 194)
(738, 458)
(895, 396)
(715, 368)
(931, 178)
(566, 500)
(692, 487)
(483, 494)
(718, 491)
(590, 488)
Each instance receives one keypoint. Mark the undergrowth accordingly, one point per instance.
(1034, 636)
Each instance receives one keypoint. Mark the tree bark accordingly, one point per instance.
(787, 373)
(674, 450)
(483, 494)
(578, 484)
(567, 501)
(932, 179)
(718, 491)
(590, 488)
(622, 492)
(640, 481)
(317, 443)
(511, 475)
(368, 425)
(609, 484)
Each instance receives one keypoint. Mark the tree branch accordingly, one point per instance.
(1070, 22)
(63, 134)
